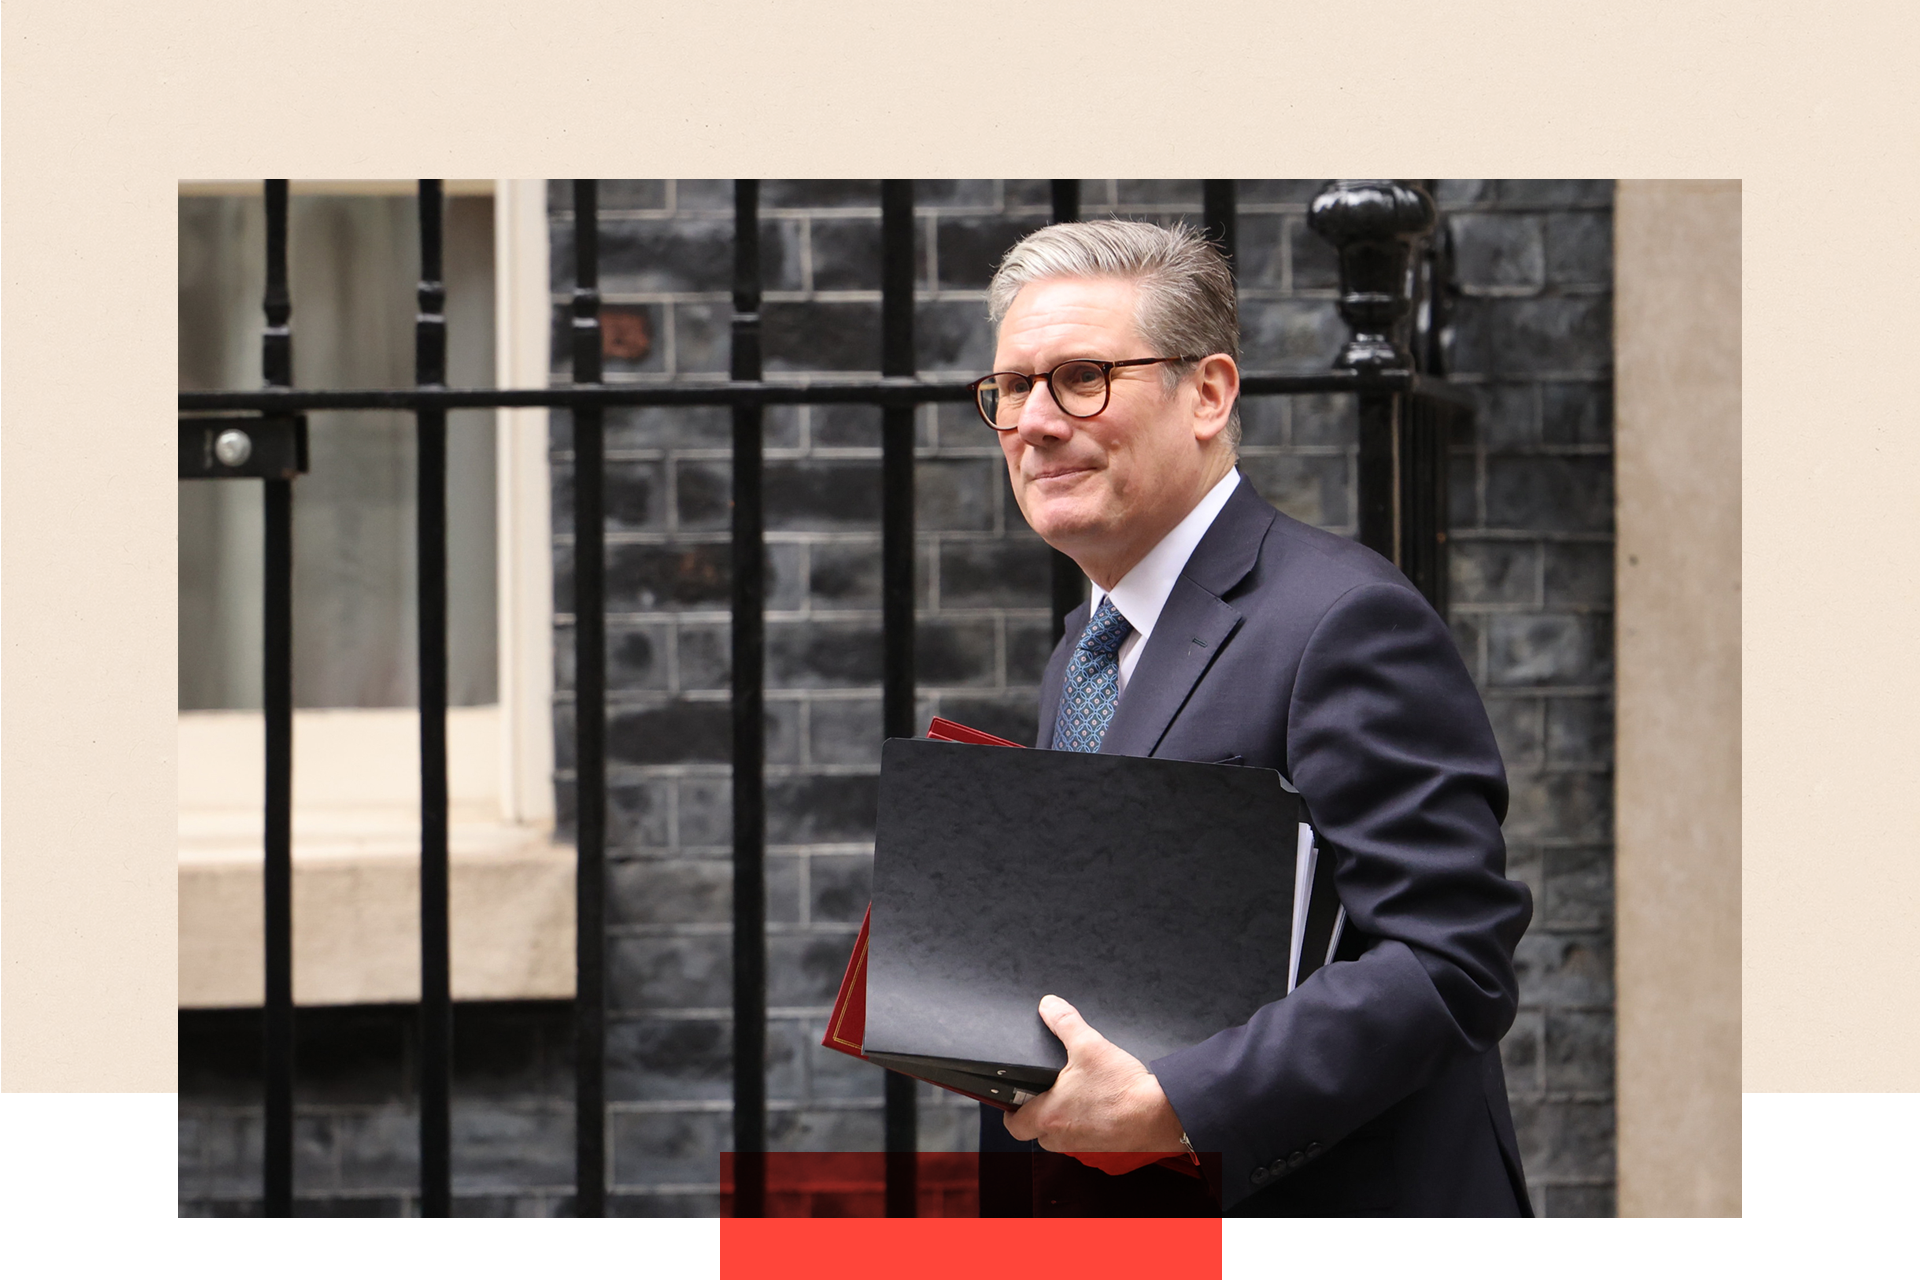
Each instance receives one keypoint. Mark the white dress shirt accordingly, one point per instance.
(1142, 594)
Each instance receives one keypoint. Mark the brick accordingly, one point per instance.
(1260, 240)
(702, 337)
(1027, 191)
(632, 498)
(483, 1205)
(1521, 1053)
(1325, 420)
(1264, 421)
(820, 336)
(1576, 413)
(1507, 416)
(1548, 649)
(315, 1163)
(1453, 193)
(1580, 1201)
(675, 1204)
(1579, 1051)
(846, 574)
(669, 733)
(845, 732)
(988, 575)
(1492, 572)
(672, 255)
(1029, 647)
(846, 253)
(817, 1130)
(806, 968)
(1580, 730)
(788, 1048)
(821, 809)
(377, 1147)
(1316, 264)
(840, 887)
(1579, 888)
(955, 193)
(820, 193)
(951, 335)
(955, 494)
(967, 249)
(954, 653)
(691, 972)
(1517, 728)
(1551, 495)
(1309, 487)
(1561, 1137)
(1298, 191)
(1499, 251)
(647, 577)
(1579, 248)
(1296, 334)
(388, 1206)
(846, 425)
(703, 493)
(1466, 637)
(818, 655)
(1564, 969)
(706, 656)
(651, 892)
(509, 1049)
(705, 812)
(498, 1147)
(1556, 191)
(1463, 496)
(669, 1147)
(1524, 867)
(1522, 336)
(821, 495)
(832, 1074)
(669, 1059)
(1175, 191)
(1559, 806)
(704, 193)
(1579, 574)
(655, 427)
(782, 732)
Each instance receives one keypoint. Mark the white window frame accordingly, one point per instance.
(356, 772)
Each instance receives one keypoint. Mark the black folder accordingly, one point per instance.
(1157, 896)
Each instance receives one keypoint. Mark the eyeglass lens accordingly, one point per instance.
(1079, 387)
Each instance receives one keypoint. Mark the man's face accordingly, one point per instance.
(1103, 489)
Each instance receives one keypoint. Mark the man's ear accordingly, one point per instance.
(1217, 387)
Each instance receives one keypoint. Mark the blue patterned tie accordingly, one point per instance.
(1093, 682)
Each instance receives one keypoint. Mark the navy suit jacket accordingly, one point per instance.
(1376, 1086)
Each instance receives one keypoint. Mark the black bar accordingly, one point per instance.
(896, 599)
(1067, 585)
(817, 391)
(1066, 199)
(436, 998)
(590, 723)
(276, 360)
(749, 729)
(276, 447)
(1379, 474)
(1221, 219)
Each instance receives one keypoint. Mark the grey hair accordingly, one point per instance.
(1186, 300)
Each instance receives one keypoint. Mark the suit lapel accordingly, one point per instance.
(1193, 627)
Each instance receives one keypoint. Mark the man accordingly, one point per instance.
(1222, 631)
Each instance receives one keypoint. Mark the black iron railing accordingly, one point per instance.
(1395, 285)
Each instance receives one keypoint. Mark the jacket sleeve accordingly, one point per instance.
(1390, 747)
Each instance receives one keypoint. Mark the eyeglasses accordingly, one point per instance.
(1080, 387)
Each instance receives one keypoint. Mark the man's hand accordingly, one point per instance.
(1105, 1100)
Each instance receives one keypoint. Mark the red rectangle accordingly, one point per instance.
(967, 1249)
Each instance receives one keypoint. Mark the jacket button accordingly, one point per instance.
(1261, 1176)
(1297, 1159)
(1278, 1169)
(1313, 1149)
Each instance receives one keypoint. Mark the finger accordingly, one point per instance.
(1023, 1124)
(1065, 1021)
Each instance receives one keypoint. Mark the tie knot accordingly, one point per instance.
(1106, 630)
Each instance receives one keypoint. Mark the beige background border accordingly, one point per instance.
(106, 107)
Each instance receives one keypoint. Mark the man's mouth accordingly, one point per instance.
(1058, 473)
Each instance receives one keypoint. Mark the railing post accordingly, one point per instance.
(1067, 585)
(897, 621)
(590, 724)
(1375, 225)
(436, 997)
(276, 359)
(749, 729)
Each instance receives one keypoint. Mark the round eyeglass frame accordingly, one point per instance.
(1106, 368)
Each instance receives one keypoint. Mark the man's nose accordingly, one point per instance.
(1040, 417)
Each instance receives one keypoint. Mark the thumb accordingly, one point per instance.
(1065, 1021)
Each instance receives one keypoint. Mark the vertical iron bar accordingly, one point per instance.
(436, 999)
(897, 621)
(1221, 219)
(1068, 585)
(276, 360)
(749, 729)
(1379, 473)
(590, 724)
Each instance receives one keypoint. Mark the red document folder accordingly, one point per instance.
(846, 1028)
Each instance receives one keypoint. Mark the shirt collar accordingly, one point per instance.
(1142, 594)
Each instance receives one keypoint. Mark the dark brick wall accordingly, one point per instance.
(1532, 593)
